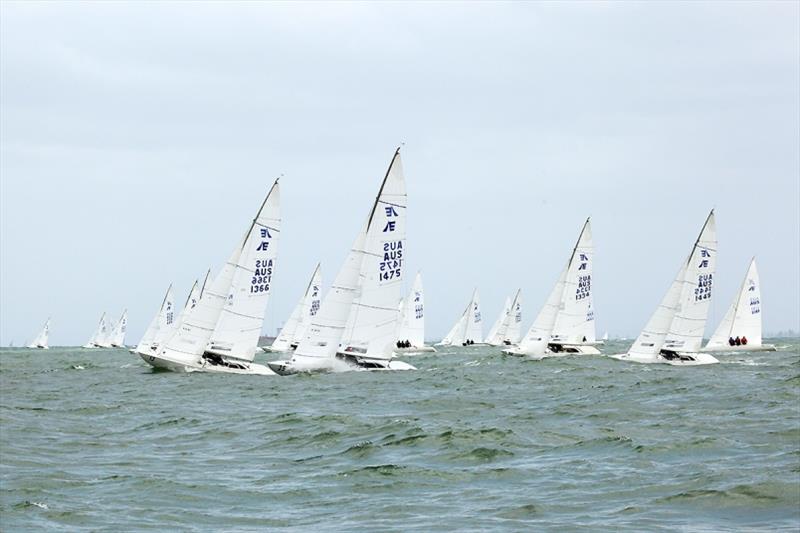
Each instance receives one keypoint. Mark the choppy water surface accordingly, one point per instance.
(95, 440)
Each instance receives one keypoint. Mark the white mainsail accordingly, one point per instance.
(678, 323)
(116, 339)
(301, 316)
(513, 324)
(497, 331)
(412, 316)
(41, 340)
(371, 274)
(163, 320)
(741, 326)
(189, 343)
(241, 319)
(99, 334)
(574, 322)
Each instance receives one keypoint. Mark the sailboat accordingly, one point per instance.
(506, 329)
(565, 325)
(411, 330)
(42, 338)
(303, 313)
(162, 322)
(740, 329)
(675, 331)
(220, 334)
(467, 330)
(605, 337)
(116, 335)
(99, 335)
(357, 320)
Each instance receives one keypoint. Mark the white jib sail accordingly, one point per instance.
(374, 311)
(117, 337)
(165, 334)
(685, 333)
(497, 331)
(457, 331)
(42, 338)
(679, 321)
(241, 319)
(743, 319)
(574, 322)
(537, 337)
(302, 314)
(164, 319)
(412, 315)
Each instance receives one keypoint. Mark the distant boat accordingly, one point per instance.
(115, 336)
(220, 334)
(305, 310)
(42, 338)
(506, 329)
(675, 331)
(565, 325)
(411, 325)
(468, 330)
(99, 335)
(740, 329)
(356, 324)
(605, 336)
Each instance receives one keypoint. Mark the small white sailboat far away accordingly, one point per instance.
(468, 329)
(99, 335)
(740, 329)
(411, 331)
(357, 320)
(116, 337)
(506, 330)
(565, 325)
(162, 322)
(41, 340)
(675, 331)
(220, 333)
(305, 310)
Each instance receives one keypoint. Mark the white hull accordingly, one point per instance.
(158, 361)
(37, 346)
(270, 349)
(415, 349)
(746, 348)
(342, 363)
(567, 349)
(686, 359)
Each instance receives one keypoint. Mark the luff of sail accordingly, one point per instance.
(241, 319)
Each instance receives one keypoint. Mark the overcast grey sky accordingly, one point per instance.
(138, 139)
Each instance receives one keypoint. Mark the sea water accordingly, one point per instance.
(96, 440)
